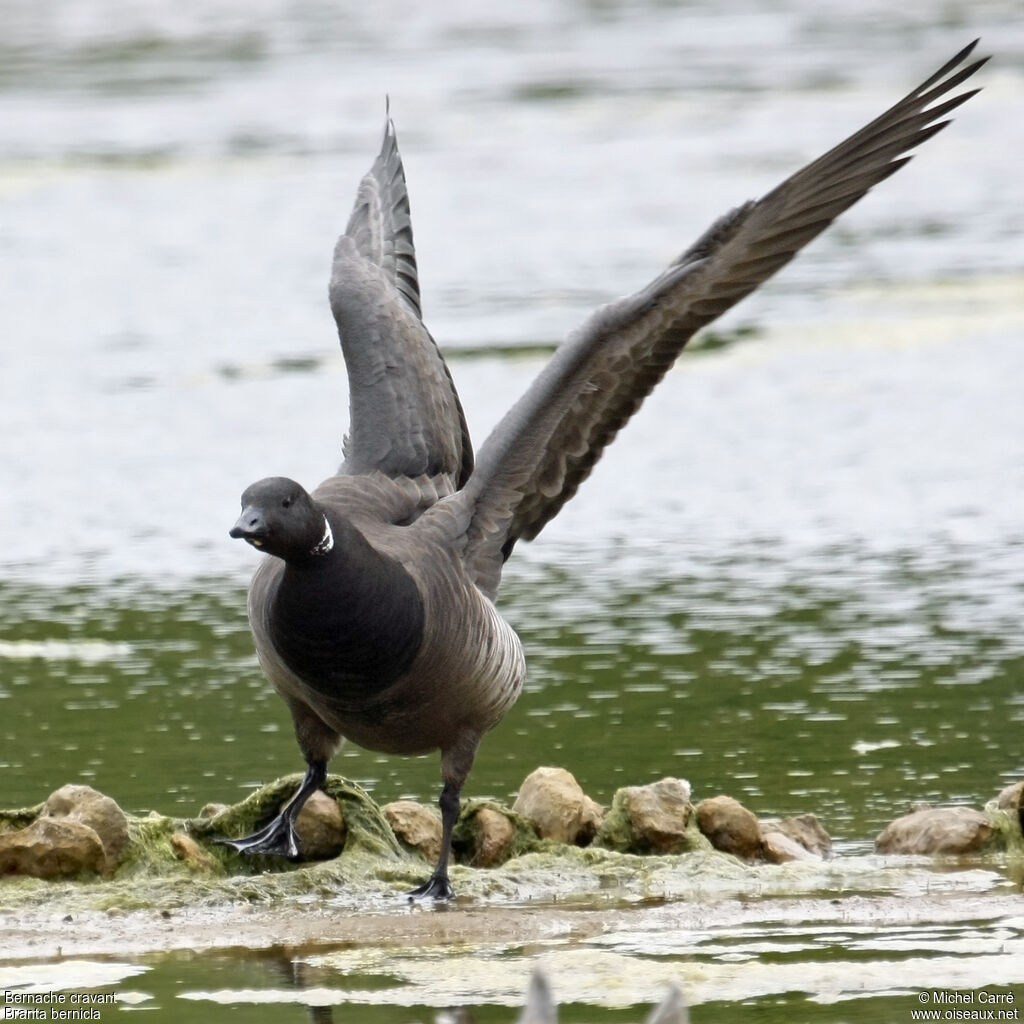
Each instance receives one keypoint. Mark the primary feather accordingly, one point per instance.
(547, 444)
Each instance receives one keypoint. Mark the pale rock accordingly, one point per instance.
(493, 836)
(778, 848)
(729, 826)
(415, 826)
(52, 848)
(555, 803)
(320, 828)
(936, 830)
(804, 829)
(648, 819)
(101, 813)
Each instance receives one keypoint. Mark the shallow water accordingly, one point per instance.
(921, 938)
(795, 578)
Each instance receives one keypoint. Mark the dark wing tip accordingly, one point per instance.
(953, 62)
(966, 51)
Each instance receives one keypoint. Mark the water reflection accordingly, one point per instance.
(821, 963)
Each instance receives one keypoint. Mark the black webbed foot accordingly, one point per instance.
(437, 887)
(277, 838)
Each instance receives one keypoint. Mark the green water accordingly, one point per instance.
(789, 694)
(171, 976)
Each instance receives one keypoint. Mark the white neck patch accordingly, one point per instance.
(326, 542)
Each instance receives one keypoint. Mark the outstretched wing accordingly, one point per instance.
(547, 444)
(405, 416)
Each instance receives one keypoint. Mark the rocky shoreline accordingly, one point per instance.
(79, 834)
(543, 885)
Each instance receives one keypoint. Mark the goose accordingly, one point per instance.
(373, 609)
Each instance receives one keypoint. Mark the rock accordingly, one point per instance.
(729, 826)
(99, 812)
(778, 848)
(493, 836)
(660, 813)
(211, 810)
(648, 819)
(52, 848)
(187, 849)
(1011, 802)
(554, 801)
(1011, 798)
(320, 828)
(804, 829)
(416, 827)
(932, 830)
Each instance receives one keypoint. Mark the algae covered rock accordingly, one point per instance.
(365, 827)
(488, 833)
(729, 826)
(555, 802)
(416, 827)
(1011, 798)
(52, 848)
(186, 849)
(1011, 802)
(937, 830)
(649, 819)
(211, 810)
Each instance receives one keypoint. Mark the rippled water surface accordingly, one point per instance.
(797, 577)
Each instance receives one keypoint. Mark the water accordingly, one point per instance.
(808, 592)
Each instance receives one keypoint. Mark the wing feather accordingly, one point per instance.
(547, 444)
(406, 419)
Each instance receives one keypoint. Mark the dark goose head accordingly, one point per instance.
(280, 518)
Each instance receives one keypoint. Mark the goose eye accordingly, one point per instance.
(286, 503)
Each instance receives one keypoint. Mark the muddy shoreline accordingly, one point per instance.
(46, 934)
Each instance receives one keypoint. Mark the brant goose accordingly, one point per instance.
(373, 614)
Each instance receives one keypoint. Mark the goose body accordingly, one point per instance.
(356, 631)
(373, 611)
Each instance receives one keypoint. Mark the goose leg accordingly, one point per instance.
(456, 762)
(278, 837)
(438, 887)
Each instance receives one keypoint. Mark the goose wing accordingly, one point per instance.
(547, 444)
(405, 416)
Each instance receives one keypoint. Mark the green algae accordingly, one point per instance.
(1008, 832)
(467, 836)
(173, 863)
(18, 818)
(367, 828)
